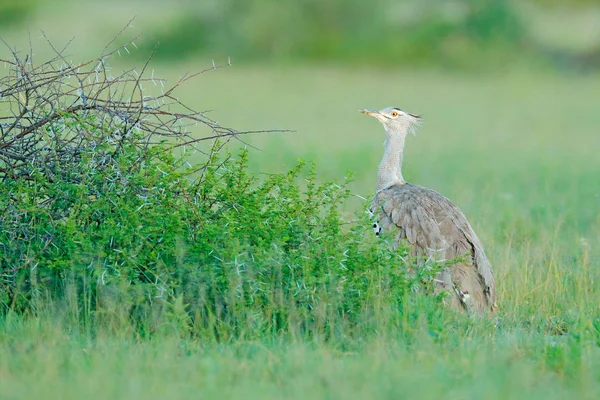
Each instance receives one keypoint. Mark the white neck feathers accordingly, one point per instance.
(390, 168)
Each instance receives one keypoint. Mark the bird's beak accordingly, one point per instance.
(369, 112)
(375, 114)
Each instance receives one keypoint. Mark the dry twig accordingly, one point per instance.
(53, 113)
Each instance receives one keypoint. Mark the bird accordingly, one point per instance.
(433, 226)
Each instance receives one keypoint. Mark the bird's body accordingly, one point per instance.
(432, 225)
(436, 229)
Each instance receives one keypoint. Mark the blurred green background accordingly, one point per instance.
(460, 34)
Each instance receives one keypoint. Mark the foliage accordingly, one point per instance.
(42, 357)
(102, 208)
(517, 153)
(56, 113)
(380, 31)
(218, 251)
(14, 11)
(501, 153)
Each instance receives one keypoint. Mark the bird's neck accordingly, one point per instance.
(390, 168)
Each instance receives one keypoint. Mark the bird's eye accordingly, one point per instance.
(394, 114)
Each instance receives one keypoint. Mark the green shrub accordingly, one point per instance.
(220, 251)
(14, 11)
(105, 214)
(379, 31)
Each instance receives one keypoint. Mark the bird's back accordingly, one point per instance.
(434, 227)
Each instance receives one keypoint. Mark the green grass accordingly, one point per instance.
(516, 151)
(42, 360)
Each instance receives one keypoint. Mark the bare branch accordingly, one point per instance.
(54, 113)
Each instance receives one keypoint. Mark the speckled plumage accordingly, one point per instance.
(431, 224)
(434, 227)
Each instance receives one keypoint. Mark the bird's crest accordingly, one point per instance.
(415, 122)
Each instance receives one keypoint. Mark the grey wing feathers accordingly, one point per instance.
(435, 227)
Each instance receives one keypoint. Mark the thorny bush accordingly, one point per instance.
(95, 211)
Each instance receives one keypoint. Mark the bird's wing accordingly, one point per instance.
(433, 226)
(417, 214)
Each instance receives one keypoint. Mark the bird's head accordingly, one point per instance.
(395, 120)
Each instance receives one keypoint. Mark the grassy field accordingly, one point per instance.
(518, 152)
(516, 149)
(40, 360)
